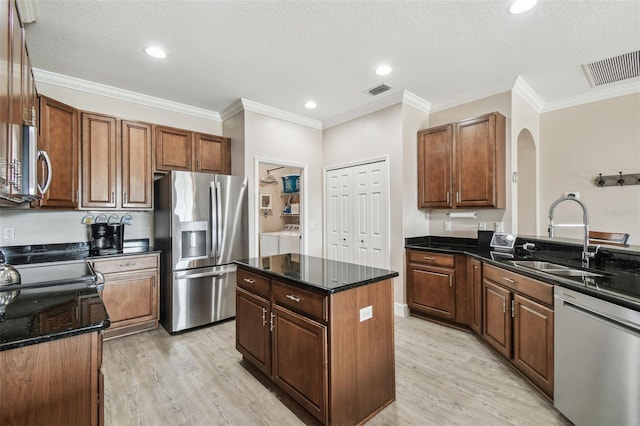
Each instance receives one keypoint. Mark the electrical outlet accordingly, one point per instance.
(498, 226)
(9, 233)
(447, 226)
(366, 313)
(482, 226)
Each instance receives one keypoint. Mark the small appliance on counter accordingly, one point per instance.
(106, 238)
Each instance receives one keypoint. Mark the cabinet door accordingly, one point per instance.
(17, 49)
(253, 329)
(533, 341)
(59, 138)
(432, 291)
(99, 161)
(212, 154)
(478, 178)
(137, 165)
(475, 279)
(434, 167)
(173, 149)
(496, 324)
(130, 299)
(300, 360)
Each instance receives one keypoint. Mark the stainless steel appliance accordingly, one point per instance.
(597, 353)
(107, 238)
(201, 225)
(18, 172)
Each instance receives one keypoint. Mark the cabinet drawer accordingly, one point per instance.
(254, 283)
(303, 301)
(524, 285)
(126, 263)
(430, 258)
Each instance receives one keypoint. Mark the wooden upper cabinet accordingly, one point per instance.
(173, 149)
(479, 162)
(212, 154)
(434, 166)
(59, 138)
(18, 56)
(137, 166)
(99, 161)
(463, 164)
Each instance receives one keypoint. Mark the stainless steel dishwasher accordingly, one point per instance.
(597, 360)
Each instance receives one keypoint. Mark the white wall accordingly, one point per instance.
(469, 227)
(576, 144)
(273, 139)
(233, 128)
(373, 136)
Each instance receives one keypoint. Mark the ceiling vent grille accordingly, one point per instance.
(613, 69)
(379, 89)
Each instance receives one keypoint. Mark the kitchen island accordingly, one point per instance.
(51, 354)
(321, 330)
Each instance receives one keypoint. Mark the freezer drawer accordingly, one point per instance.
(200, 296)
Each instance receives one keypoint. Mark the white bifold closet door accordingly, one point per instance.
(357, 220)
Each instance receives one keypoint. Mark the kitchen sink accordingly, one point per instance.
(574, 273)
(539, 265)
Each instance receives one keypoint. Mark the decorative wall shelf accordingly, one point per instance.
(617, 180)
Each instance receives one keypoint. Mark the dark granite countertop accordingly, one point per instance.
(620, 269)
(37, 315)
(316, 273)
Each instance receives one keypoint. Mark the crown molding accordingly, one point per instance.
(472, 96)
(121, 94)
(232, 110)
(530, 97)
(416, 102)
(256, 107)
(598, 94)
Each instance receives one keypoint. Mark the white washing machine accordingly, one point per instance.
(281, 242)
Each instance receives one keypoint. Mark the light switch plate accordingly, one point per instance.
(366, 313)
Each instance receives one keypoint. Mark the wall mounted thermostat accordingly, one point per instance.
(501, 241)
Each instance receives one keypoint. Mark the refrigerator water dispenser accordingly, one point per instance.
(194, 239)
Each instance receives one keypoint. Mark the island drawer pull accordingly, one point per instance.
(509, 280)
(249, 280)
(292, 297)
(428, 258)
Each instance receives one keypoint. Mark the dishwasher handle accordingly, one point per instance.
(608, 318)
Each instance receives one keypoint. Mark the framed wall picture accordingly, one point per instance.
(265, 201)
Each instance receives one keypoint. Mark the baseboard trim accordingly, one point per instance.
(401, 310)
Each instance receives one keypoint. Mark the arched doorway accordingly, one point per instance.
(527, 184)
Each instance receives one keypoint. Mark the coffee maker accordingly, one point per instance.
(106, 238)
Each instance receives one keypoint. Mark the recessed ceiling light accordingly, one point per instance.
(310, 105)
(520, 6)
(383, 70)
(156, 52)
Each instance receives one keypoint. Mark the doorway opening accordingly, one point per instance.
(527, 221)
(280, 207)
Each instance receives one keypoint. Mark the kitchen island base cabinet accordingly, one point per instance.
(55, 383)
(319, 348)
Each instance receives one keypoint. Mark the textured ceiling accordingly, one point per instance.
(282, 53)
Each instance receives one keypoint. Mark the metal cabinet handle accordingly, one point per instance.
(264, 317)
(292, 297)
(450, 281)
(504, 305)
(249, 280)
(428, 258)
(509, 280)
(457, 197)
(448, 197)
(272, 324)
(513, 309)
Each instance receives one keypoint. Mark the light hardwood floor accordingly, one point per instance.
(443, 377)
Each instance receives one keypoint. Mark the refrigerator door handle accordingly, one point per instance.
(218, 218)
(218, 272)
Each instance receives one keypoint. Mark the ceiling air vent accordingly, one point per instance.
(379, 89)
(613, 69)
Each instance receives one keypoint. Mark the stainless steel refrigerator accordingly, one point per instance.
(201, 223)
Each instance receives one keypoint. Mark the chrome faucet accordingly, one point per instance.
(586, 254)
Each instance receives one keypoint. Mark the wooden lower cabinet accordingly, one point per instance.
(518, 323)
(130, 293)
(474, 280)
(55, 383)
(313, 347)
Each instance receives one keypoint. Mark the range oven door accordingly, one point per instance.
(202, 296)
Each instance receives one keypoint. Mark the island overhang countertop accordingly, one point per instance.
(316, 273)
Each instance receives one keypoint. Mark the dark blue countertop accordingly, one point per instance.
(37, 315)
(316, 273)
(620, 269)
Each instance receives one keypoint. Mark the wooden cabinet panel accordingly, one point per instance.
(475, 286)
(53, 383)
(212, 154)
(299, 300)
(16, 41)
(432, 291)
(428, 258)
(496, 329)
(5, 68)
(533, 341)
(59, 138)
(173, 149)
(300, 360)
(435, 166)
(535, 289)
(253, 333)
(254, 283)
(137, 165)
(99, 161)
